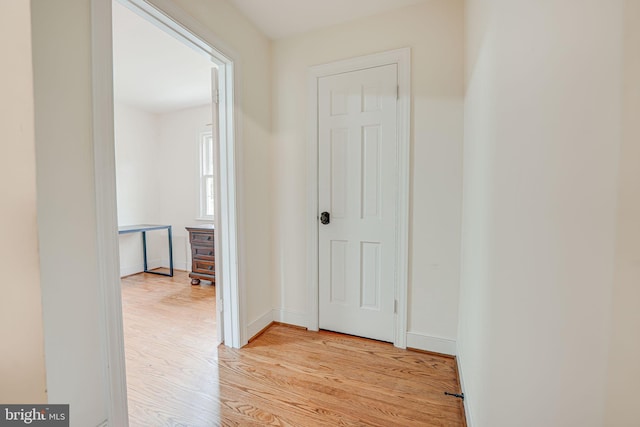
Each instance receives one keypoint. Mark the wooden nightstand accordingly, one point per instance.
(203, 260)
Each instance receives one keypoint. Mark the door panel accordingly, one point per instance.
(339, 171)
(370, 275)
(338, 271)
(371, 172)
(357, 171)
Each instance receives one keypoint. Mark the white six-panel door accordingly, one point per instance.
(357, 162)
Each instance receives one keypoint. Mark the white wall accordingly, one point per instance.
(157, 171)
(137, 164)
(61, 34)
(542, 134)
(138, 174)
(179, 168)
(434, 31)
(22, 369)
(624, 369)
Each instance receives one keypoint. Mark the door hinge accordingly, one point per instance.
(395, 307)
(220, 305)
(217, 97)
(397, 92)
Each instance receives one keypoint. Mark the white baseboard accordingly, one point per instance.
(467, 409)
(155, 263)
(129, 270)
(151, 264)
(259, 324)
(282, 316)
(429, 343)
(290, 318)
(177, 265)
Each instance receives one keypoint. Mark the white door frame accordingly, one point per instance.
(169, 17)
(401, 57)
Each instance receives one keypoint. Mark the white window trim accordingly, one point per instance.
(200, 208)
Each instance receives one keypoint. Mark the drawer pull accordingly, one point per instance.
(210, 267)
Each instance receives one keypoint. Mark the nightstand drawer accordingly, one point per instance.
(202, 252)
(205, 267)
(199, 237)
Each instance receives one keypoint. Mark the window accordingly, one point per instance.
(206, 176)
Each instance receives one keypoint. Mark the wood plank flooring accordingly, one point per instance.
(170, 349)
(286, 377)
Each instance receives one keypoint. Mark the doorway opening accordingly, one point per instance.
(166, 124)
(175, 22)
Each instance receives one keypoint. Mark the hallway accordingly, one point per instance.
(286, 376)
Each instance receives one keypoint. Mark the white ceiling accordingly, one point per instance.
(282, 18)
(152, 70)
(157, 73)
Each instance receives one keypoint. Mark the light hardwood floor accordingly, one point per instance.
(170, 349)
(286, 377)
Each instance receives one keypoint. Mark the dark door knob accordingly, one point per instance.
(325, 218)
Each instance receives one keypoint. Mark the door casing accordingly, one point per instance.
(402, 58)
